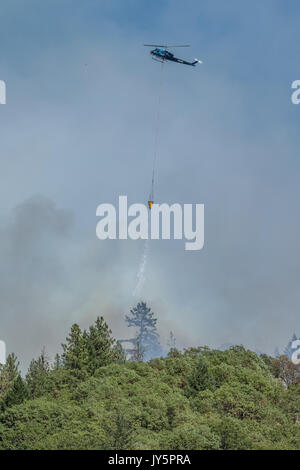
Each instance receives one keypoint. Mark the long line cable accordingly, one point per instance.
(156, 130)
(143, 263)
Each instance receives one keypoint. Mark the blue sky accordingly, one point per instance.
(77, 130)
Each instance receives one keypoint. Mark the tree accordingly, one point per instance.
(120, 434)
(173, 351)
(8, 374)
(17, 394)
(138, 352)
(171, 415)
(86, 351)
(201, 378)
(57, 362)
(143, 320)
(37, 377)
(99, 345)
(285, 370)
(119, 353)
(75, 352)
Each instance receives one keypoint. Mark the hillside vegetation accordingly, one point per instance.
(92, 398)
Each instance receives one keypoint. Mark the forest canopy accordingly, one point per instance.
(92, 397)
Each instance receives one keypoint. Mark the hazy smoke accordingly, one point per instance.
(79, 131)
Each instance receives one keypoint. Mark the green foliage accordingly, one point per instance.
(37, 377)
(17, 393)
(75, 352)
(201, 379)
(121, 433)
(92, 398)
(191, 437)
(99, 343)
(84, 352)
(8, 374)
(118, 353)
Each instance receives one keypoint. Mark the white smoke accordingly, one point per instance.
(141, 275)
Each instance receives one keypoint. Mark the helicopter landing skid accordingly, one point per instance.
(159, 60)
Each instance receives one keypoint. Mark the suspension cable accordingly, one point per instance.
(156, 131)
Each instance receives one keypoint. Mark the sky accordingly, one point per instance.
(78, 130)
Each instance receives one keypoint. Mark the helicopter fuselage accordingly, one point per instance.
(163, 54)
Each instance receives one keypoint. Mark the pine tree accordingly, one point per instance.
(171, 416)
(8, 374)
(120, 435)
(119, 353)
(57, 362)
(138, 353)
(84, 352)
(17, 394)
(75, 352)
(143, 320)
(99, 345)
(201, 378)
(37, 378)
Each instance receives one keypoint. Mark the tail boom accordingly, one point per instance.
(196, 61)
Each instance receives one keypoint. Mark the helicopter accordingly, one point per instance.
(161, 54)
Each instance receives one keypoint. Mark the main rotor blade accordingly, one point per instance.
(166, 45)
